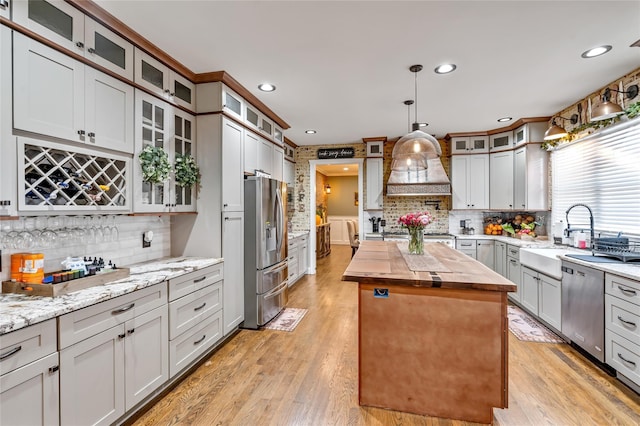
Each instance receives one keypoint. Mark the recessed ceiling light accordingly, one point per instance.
(596, 51)
(445, 68)
(503, 119)
(267, 87)
(310, 132)
(345, 169)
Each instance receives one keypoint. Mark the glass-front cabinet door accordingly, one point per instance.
(183, 92)
(106, 48)
(151, 73)
(184, 146)
(56, 20)
(152, 130)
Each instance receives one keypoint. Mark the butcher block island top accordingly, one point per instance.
(433, 330)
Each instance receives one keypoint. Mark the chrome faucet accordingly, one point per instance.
(568, 231)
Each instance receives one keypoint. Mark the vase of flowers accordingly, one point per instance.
(415, 224)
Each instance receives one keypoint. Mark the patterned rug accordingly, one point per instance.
(528, 329)
(287, 320)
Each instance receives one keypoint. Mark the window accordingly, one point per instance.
(602, 171)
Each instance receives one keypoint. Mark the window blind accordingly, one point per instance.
(602, 171)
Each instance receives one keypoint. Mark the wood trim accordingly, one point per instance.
(91, 9)
(375, 139)
(289, 142)
(9, 217)
(226, 78)
(512, 126)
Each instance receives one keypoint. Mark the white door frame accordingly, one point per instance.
(312, 201)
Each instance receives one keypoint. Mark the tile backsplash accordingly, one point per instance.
(125, 251)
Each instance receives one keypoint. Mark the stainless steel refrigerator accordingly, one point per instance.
(265, 250)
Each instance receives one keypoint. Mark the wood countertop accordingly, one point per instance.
(381, 262)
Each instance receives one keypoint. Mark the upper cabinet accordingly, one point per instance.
(160, 79)
(470, 145)
(8, 166)
(530, 172)
(374, 174)
(5, 9)
(260, 122)
(470, 181)
(63, 98)
(70, 28)
(501, 141)
(232, 103)
(501, 180)
(529, 132)
(160, 125)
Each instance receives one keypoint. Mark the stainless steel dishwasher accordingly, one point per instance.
(583, 307)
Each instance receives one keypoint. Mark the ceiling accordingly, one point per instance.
(337, 169)
(342, 67)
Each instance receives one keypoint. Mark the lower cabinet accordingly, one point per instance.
(542, 296)
(105, 375)
(298, 262)
(468, 247)
(188, 346)
(500, 264)
(514, 275)
(233, 253)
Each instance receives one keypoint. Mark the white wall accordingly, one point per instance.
(339, 232)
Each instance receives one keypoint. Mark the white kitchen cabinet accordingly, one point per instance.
(265, 155)
(485, 252)
(8, 162)
(251, 144)
(63, 98)
(278, 135)
(232, 166)
(160, 79)
(470, 145)
(129, 361)
(501, 180)
(470, 181)
(67, 26)
(530, 178)
(29, 395)
(289, 173)
(277, 163)
(298, 262)
(374, 190)
(252, 116)
(501, 141)
(467, 247)
(266, 125)
(529, 132)
(303, 256)
(193, 343)
(233, 253)
(232, 103)
(160, 125)
(500, 258)
(514, 271)
(542, 296)
(5, 8)
(192, 309)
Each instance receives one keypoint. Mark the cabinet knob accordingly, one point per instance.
(91, 50)
(80, 44)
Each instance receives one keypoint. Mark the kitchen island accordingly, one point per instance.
(432, 331)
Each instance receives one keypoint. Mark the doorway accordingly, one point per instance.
(313, 168)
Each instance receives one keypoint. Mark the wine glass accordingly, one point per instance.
(97, 230)
(113, 229)
(25, 239)
(47, 237)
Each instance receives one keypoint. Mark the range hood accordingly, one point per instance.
(416, 168)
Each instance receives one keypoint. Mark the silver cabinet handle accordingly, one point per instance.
(54, 369)
(633, 324)
(121, 310)
(80, 44)
(91, 50)
(626, 360)
(627, 291)
(11, 352)
(81, 132)
(197, 342)
(232, 218)
(91, 135)
(200, 307)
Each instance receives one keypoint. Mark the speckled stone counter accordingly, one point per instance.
(19, 310)
(509, 240)
(629, 270)
(296, 234)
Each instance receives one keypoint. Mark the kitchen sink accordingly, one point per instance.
(544, 260)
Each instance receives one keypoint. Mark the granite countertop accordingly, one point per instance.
(629, 270)
(296, 234)
(20, 310)
(536, 243)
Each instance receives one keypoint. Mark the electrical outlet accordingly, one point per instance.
(145, 243)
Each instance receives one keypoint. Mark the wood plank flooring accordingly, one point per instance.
(310, 376)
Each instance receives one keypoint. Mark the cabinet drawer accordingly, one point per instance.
(188, 283)
(84, 323)
(191, 309)
(26, 345)
(623, 355)
(513, 252)
(293, 271)
(622, 318)
(622, 288)
(190, 345)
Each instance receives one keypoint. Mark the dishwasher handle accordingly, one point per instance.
(567, 270)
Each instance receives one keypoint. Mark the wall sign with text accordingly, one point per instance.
(334, 153)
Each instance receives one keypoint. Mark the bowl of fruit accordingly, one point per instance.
(521, 226)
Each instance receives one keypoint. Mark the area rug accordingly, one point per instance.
(528, 329)
(287, 320)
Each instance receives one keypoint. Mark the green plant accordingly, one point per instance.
(155, 164)
(187, 171)
(633, 110)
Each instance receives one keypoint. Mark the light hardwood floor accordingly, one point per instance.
(310, 376)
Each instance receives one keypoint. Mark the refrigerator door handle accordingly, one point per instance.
(276, 268)
(276, 291)
(280, 220)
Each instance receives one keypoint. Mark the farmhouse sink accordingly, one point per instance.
(544, 260)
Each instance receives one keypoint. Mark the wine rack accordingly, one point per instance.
(64, 178)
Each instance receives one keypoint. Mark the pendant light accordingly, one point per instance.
(415, 69)
(558, 132)
(607, 109)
